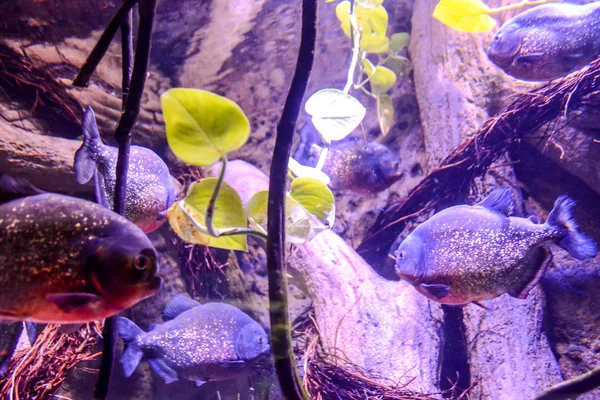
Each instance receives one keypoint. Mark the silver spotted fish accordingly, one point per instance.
(467, 253)
(150, 188)
(67, 260)
(199, 342)
(548, 41)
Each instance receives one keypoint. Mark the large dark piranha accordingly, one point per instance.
(67, 260)
(150, 189)
(467, 253)
(548, 41)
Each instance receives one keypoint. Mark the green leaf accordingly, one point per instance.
(372, 43)
(382, 80)
(385, 113)
(400, 65)
(297, 219)
(304, 171)
(316, 198)
(334, 113)
(398, 42)
(369, 3)
(464, 15)
(188, 216)
(371, 22)
(202, 126)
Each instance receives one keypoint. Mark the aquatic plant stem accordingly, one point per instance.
(281, 338)
(322, 157)
(210, 209)
(83, 77)
(132, 94)
(573, 387)
(355, 36)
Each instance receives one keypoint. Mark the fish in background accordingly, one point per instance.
(548, 41)
(150, 188)
(467, 253)
(199, 342)
(353, 165)
(67, 260)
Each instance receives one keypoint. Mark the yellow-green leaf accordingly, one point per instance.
(399, 64)
(385, 113)
(464, 15)
(202, 126)
(372, 24)
(398, 42)
(334, 113)
(188, 216)
(369, 3)
(382, 80)
(297, 219)
(316, 198)
(304, 171)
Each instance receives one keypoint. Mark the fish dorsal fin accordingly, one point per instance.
(13, 188)
(500, 200)
(177, 305)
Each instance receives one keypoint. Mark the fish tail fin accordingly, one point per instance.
(578, 244)
(85, 164)
(132, 355)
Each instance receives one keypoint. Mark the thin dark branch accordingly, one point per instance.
(572, 387)
(127, 53)
(88, 68)
(132, 95)
(281, 339)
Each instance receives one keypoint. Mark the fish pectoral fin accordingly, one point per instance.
(199, 383)
(163, 370)
(178, 305)
(546, 259)
(436, 290)
(69, 302)
(500, 200)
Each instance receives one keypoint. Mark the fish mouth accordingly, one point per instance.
(155, 284)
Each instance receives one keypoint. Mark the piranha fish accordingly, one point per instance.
(548, 41)
(354, 165)
(199, 342)
(150, 189)
(467, 253)
(67, 260)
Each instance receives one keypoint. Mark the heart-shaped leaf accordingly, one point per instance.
(369, 3)
(398, 42)
(300, 170)
(382, 80)
(400, 65)
(334, 113)
(316, 198)
(188, 216)
(297, 219)
(202, 126)
(372, 23)
(464, 15)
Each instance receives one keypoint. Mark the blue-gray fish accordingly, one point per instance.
(67, 260)
(467, 253)
(199, 342)
(150, 188)
(548, 41)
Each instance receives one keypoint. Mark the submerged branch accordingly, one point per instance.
(88, 68)
(572, 387)
(281, 339)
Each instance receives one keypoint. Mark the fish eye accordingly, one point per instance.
(143, 261)
(400, 255)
